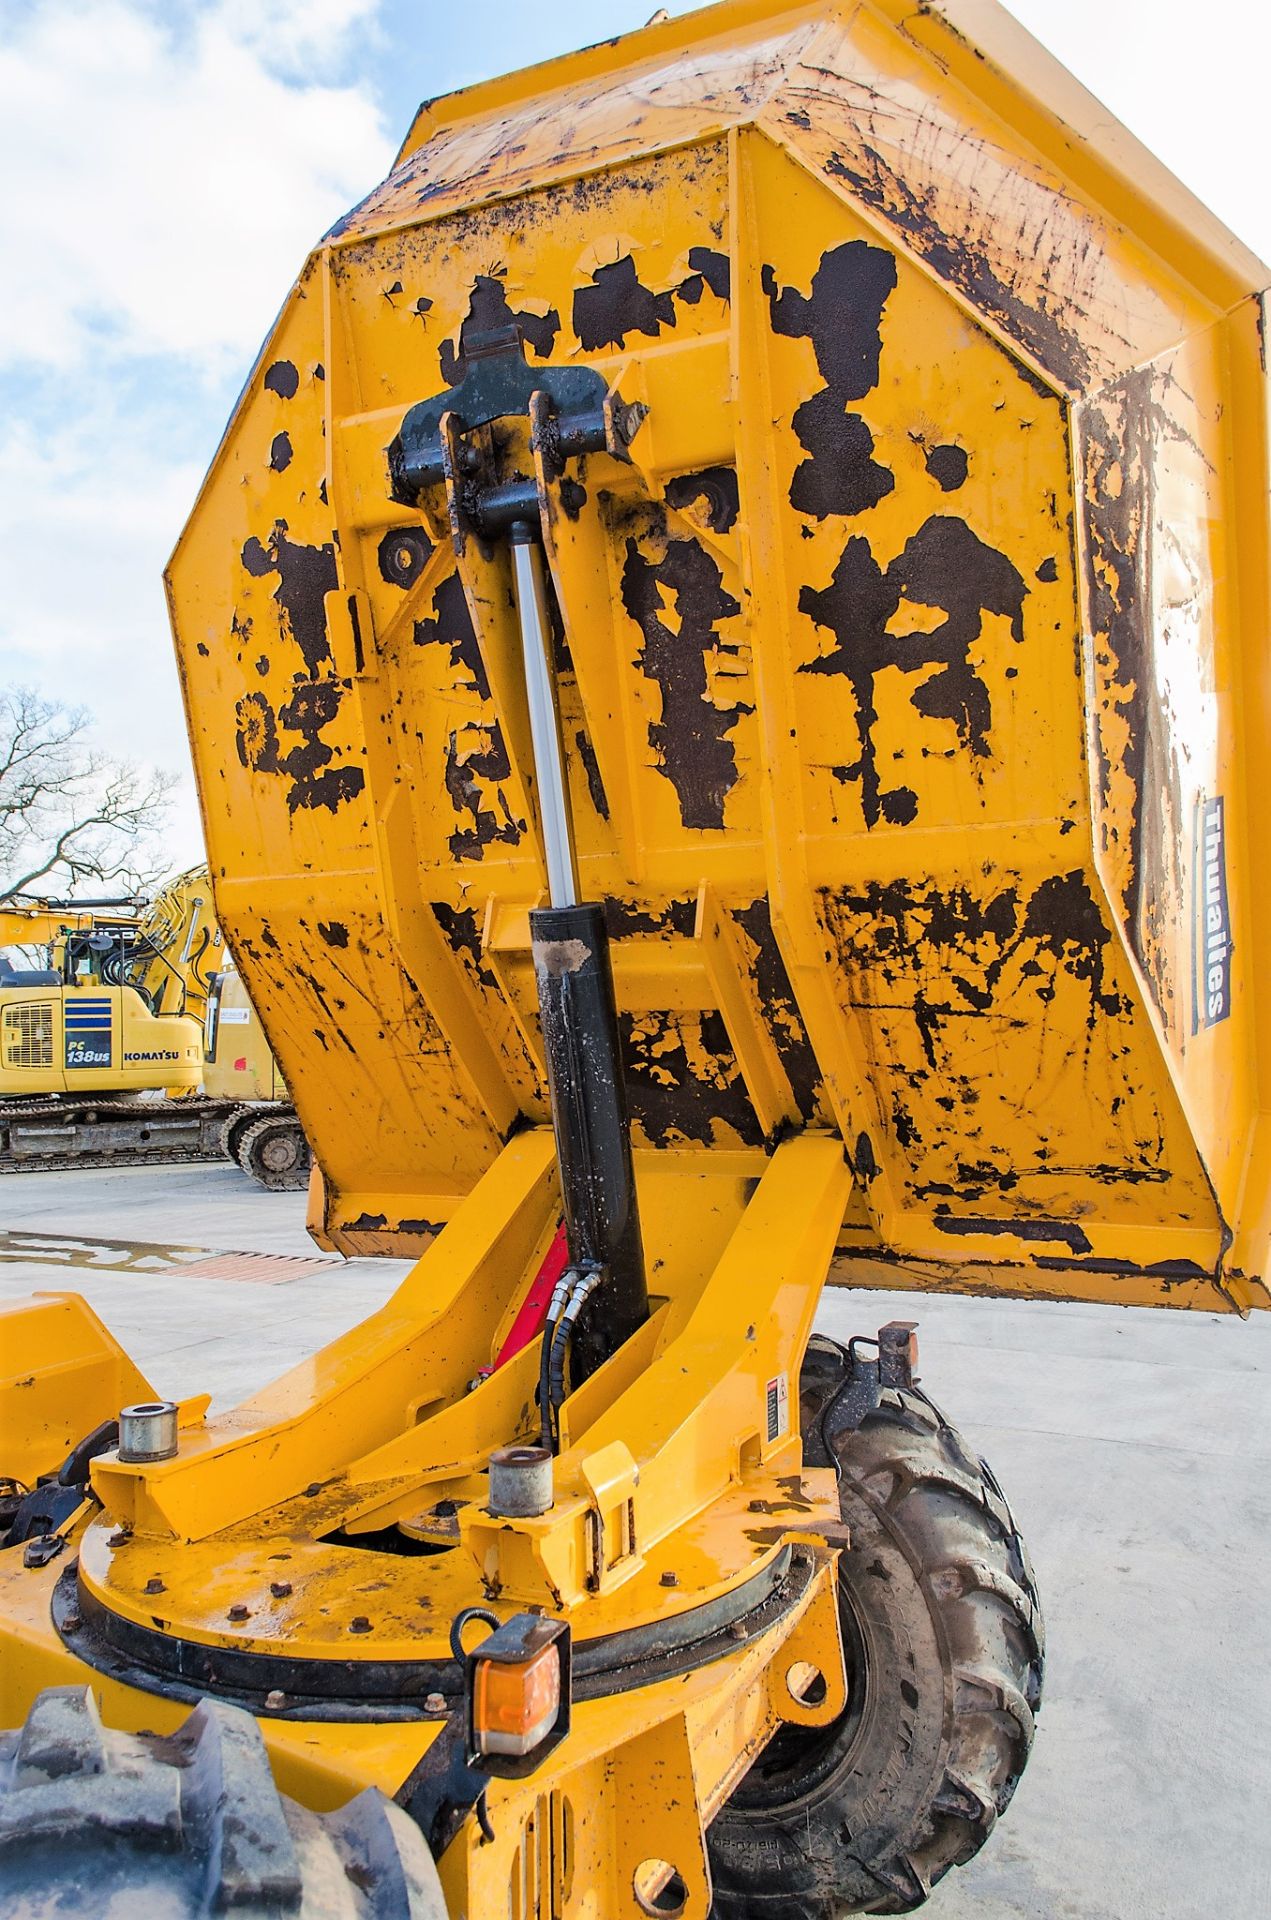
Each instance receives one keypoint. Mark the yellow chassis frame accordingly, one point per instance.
(680, 1478)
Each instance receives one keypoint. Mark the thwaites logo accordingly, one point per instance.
(87, 1033)
(1211, 922)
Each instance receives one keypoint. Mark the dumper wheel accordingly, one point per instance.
(95, 1823)
(944, 1644)
(275, 1152)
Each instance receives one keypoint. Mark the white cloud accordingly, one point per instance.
(166, 169)
(165, 173)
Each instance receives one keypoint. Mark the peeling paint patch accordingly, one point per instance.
(476, 757)
(616, 304)
(691, 739)
(489, 312)
(459, 924)
(316, 777)
(842, 316)
(305, 576)
(947, 466)
(945, 566)
(282, 379)
(450, 625)
(716, 490)
(683, 1082)
(591, 767)
(775, 996)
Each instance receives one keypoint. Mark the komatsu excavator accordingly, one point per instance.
(117, 1012)
(138, 998)
(725, 653)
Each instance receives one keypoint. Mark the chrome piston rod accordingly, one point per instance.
(580, 1021)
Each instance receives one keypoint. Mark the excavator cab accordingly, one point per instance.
(724, 648)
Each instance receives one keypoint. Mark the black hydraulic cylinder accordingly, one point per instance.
(593, 1131)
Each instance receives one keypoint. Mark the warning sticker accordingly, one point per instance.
(778, 1397)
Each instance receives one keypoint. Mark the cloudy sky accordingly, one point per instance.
(165, 166)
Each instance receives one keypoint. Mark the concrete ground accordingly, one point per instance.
(1135, 1447)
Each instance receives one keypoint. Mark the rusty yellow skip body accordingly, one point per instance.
(894, 436)
(915, 670)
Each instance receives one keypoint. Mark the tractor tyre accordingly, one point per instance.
(274, 1151)
(233, 1127)
(944, 1646)
(96, 1824)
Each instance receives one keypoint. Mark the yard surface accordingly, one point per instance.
(1134, 1445)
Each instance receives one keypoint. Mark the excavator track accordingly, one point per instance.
(43, 1134)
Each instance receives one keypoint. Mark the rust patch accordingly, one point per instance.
(556, 958)
(691, 739)
(280, 452)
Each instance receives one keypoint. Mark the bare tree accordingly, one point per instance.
(71, 815)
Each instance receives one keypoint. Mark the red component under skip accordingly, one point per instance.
(533, 1310)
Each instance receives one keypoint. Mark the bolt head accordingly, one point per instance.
(238, 1611)
(280, 1588)
(670, 1579)
(154, 1585)
(434, 1703)
(275, 1699)
(359, 1624)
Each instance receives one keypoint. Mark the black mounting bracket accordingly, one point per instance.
(578, 415)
